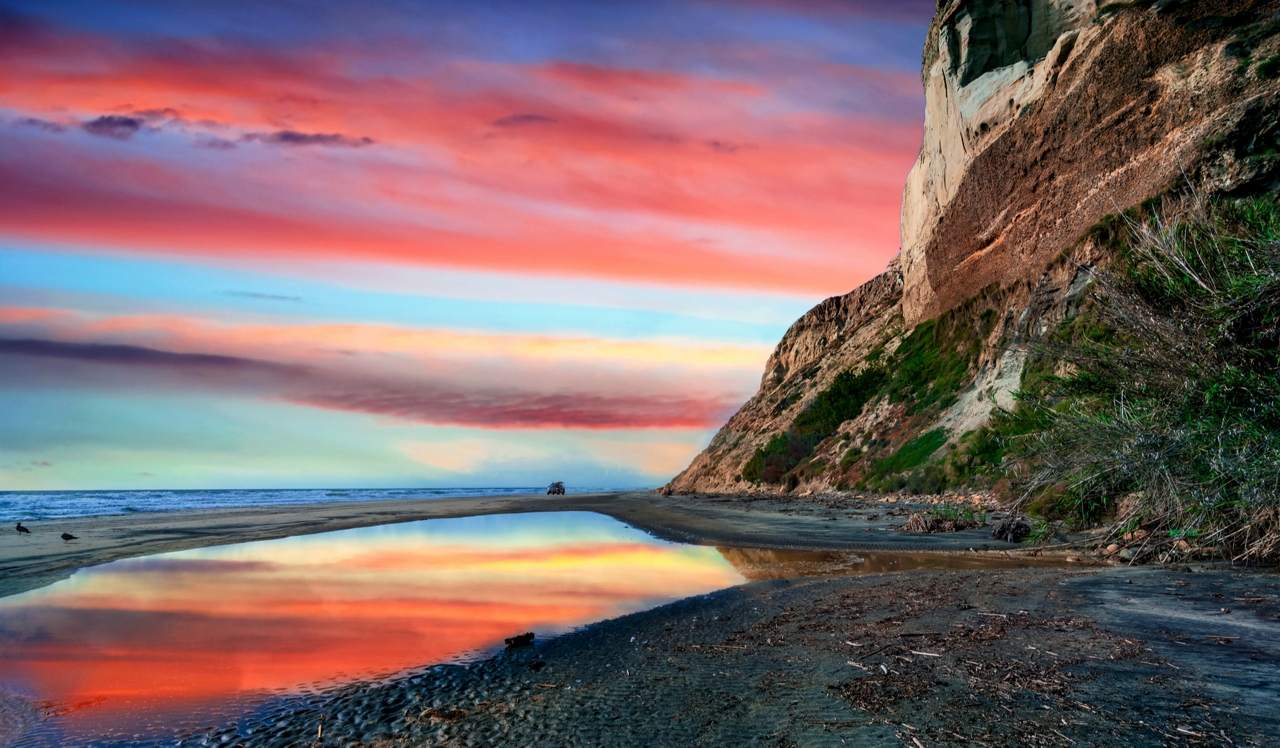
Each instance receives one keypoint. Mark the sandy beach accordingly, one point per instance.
(1081, 653)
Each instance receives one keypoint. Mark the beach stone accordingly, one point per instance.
(1012, 530)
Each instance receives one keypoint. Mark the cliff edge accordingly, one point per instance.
(1041, 118)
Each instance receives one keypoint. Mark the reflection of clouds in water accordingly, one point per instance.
(759, 563)
(191, 566)
(199, 627)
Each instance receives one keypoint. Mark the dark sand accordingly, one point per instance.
(1077, 655)
(1119, 657)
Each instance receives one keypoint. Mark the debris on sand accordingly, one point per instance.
(922, 524)
(520, 640)
(878, 693)
(1012, 530)
(442, 714)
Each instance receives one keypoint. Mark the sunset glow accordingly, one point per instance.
(133, 640)
(519, 225)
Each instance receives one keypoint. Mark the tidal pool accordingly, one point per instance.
(140, 646)
(142, 651)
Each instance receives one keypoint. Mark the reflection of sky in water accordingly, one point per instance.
(174, 631)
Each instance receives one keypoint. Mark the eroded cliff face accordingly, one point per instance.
(834, 336)
(1042, 116)
(985, 62)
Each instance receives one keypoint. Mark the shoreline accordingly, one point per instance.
(32, 561)
(1061, 654)
(922, 658)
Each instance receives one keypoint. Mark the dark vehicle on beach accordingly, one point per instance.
(556, 488)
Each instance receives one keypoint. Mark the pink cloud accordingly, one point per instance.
(476, 390)
(555, 168)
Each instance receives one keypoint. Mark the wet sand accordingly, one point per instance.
(1115, 657)
(41, 558)
(1083, 654)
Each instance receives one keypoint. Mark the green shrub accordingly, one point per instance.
(1173, 392)
(927, 479)
(753, 467)
(926, 372)
(958, 514)
(1042, 531)
(843, 400)
(912, 453)
(773, 461)
(1269, 68)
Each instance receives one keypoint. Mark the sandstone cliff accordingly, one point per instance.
(1035, 130)
(832, 337)
(1042, 116)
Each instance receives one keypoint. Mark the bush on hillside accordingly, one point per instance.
(1164, 419)
(843, 400)
(925, 373)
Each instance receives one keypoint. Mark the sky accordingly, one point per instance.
(401, 244)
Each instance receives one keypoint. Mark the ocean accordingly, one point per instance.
(33, 505)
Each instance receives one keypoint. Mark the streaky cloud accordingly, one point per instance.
(724, 146)
(295, 138)
(42, 125)
(114, 126)
(261, 296)
(107, 353)
(162, 113)
(521, 120)
(102, 366)
(525, 410)
(215, 144)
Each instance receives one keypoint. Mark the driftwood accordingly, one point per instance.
(922, 524)
(520, 640)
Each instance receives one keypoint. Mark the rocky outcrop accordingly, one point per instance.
(830, 338)
(985, 62)
(817, 334)
(1042, 116)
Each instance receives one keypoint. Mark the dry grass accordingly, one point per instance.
(1163, 419)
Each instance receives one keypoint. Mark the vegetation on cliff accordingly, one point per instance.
(844, 399)
(922, 376)
(1162, 415)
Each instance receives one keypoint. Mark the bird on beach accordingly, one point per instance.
(68, 536)
(22, 529)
